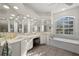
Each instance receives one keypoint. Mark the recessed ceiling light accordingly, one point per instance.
(5, 6)
(28, 15)
(24, 17)
(15, 7)
(12, 15)
(63, 9)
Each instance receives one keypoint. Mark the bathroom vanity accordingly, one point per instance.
(24, 42)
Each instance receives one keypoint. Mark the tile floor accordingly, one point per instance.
(44, 50)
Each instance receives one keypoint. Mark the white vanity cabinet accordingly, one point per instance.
(26, 45)
(0, 50)
(44, 38)
(16, 48)
(23, 47)
(30, 44)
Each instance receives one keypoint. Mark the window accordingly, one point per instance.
(65, 25)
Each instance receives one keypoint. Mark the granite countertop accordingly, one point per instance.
(18, 38)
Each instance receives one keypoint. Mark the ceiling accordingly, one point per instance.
(47, 7)
(35, 10)
(39, 8)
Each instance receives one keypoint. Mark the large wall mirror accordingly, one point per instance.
(3, 27)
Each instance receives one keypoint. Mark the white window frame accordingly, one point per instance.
(63, 28)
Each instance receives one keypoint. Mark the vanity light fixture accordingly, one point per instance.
(16, 18)
(5, 6)
(15, 7)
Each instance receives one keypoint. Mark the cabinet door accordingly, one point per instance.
(48, 40)
(16, 48)
(26, 45)
(1, 50)
(30, 44)
(43, 39)
(23, 47)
